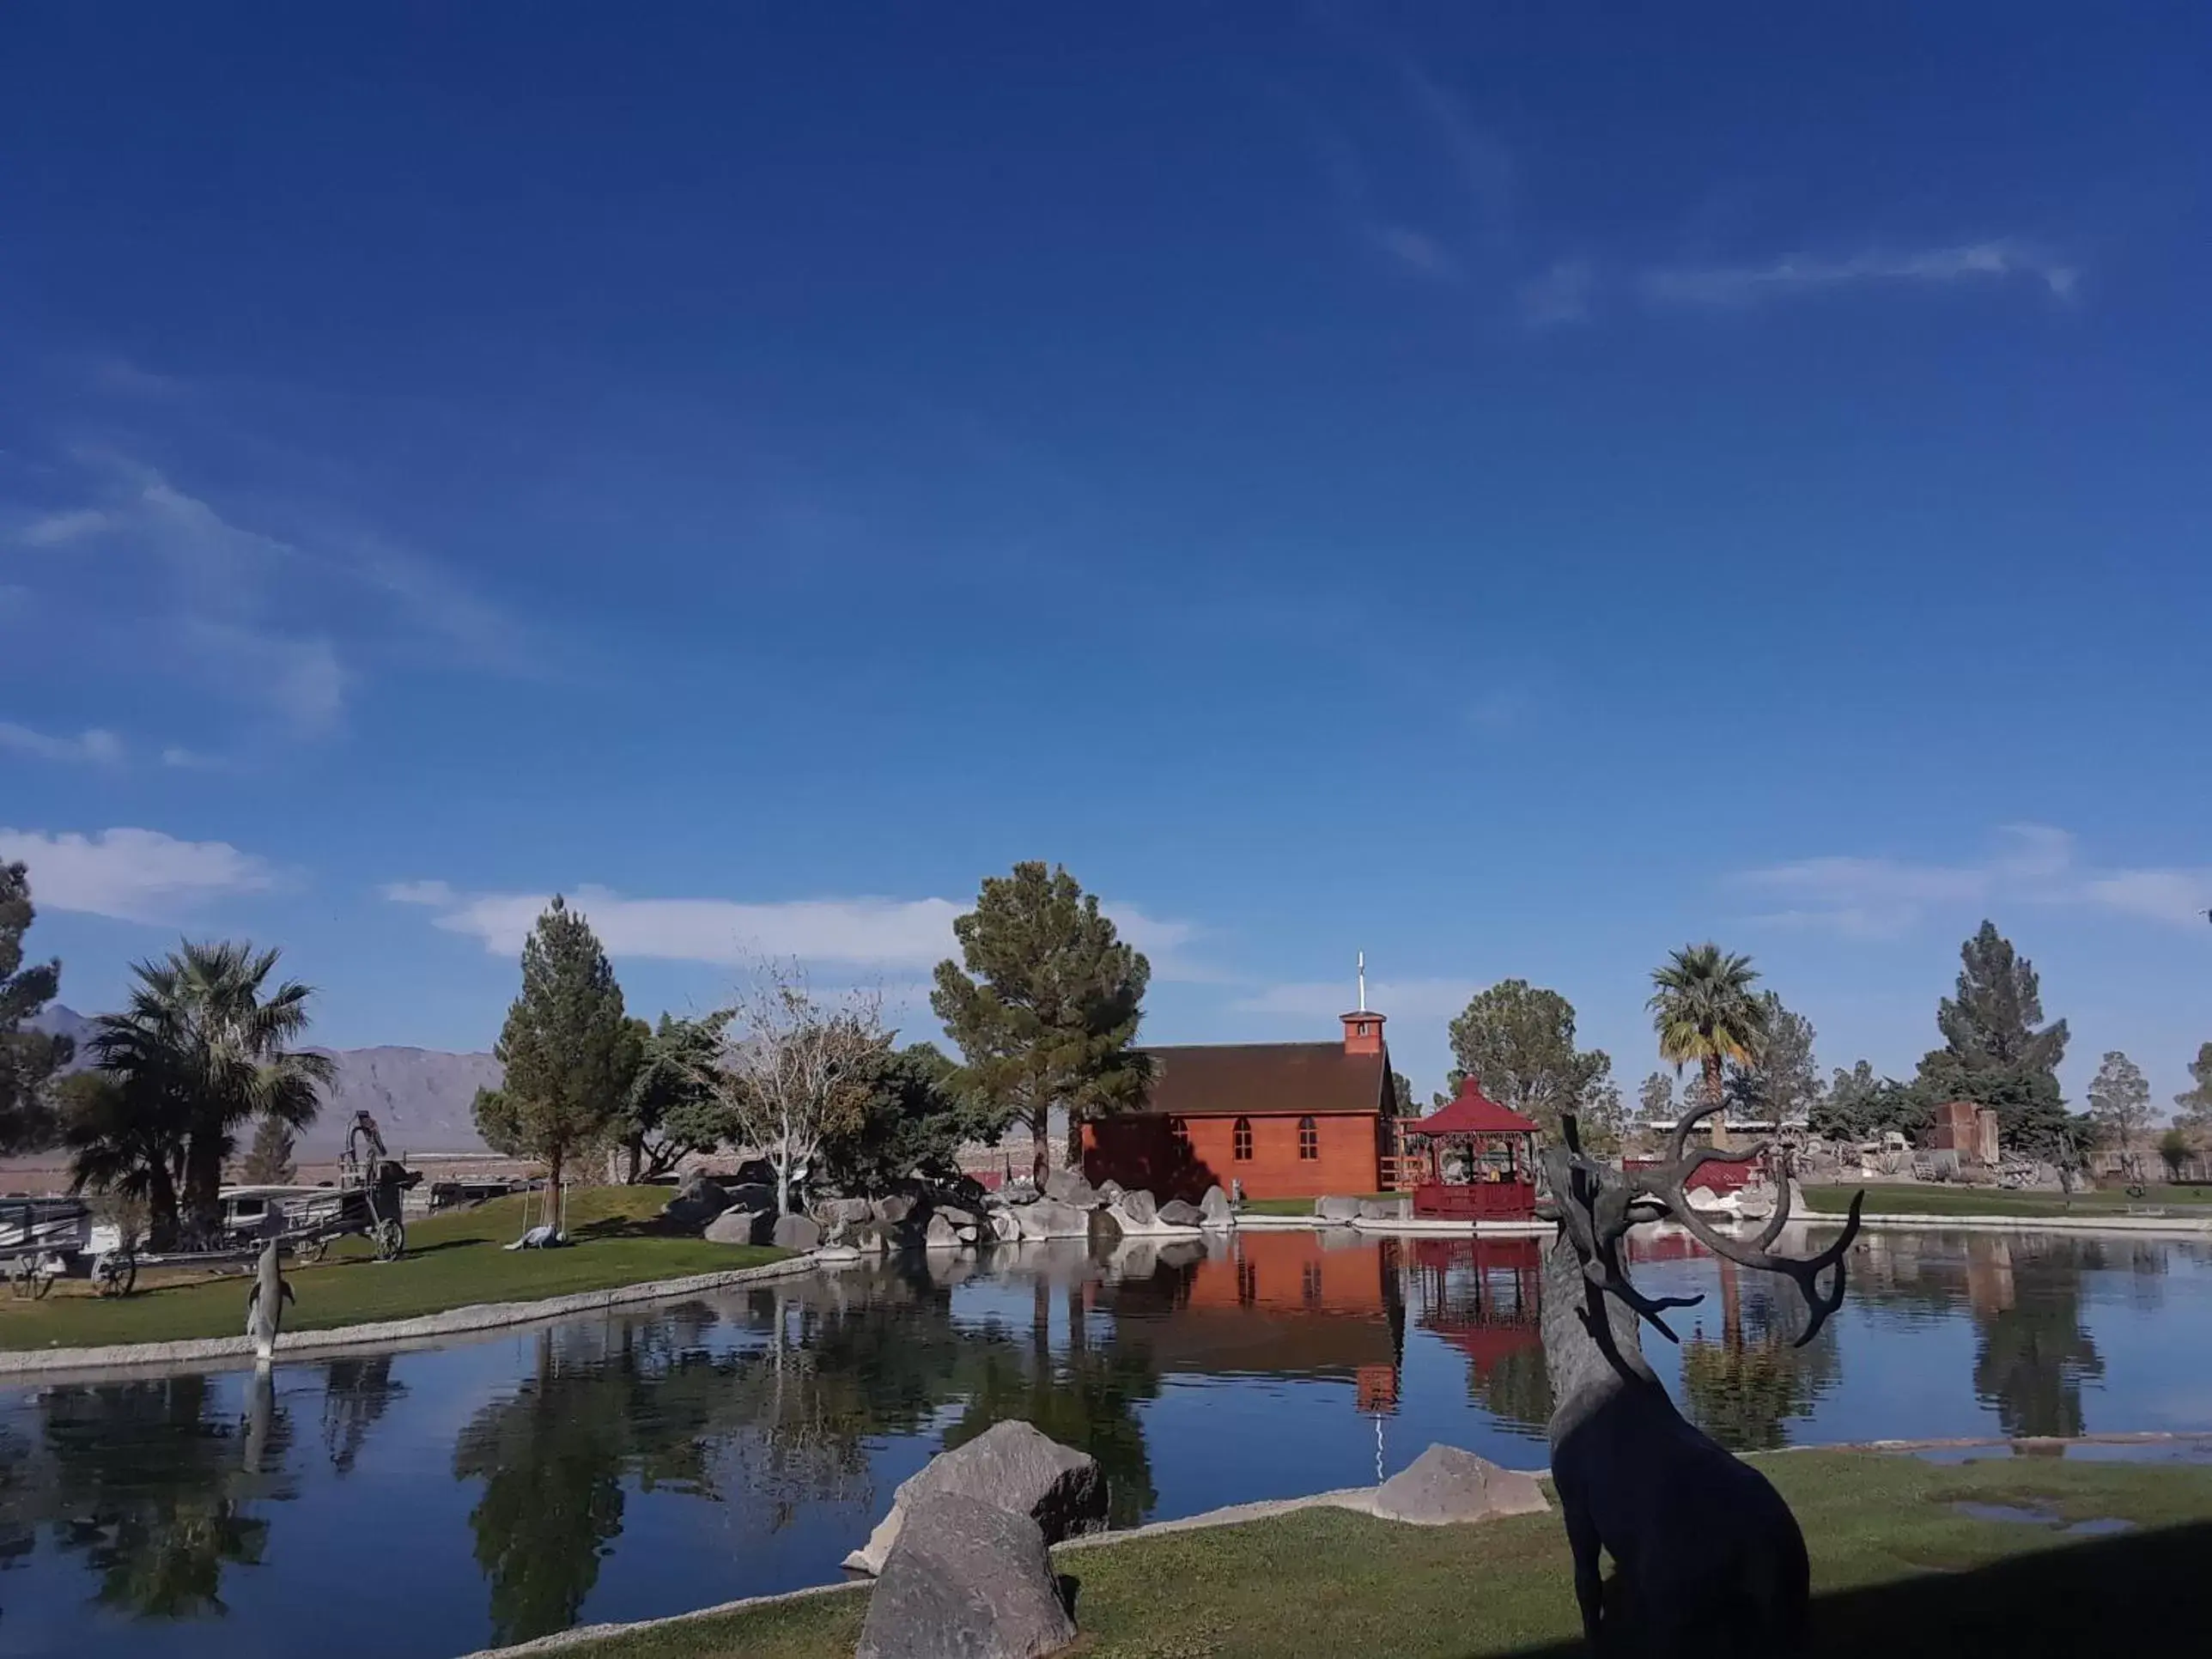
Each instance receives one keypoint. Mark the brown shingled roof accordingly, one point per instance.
(1245, 1078)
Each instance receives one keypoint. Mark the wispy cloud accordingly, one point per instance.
(93, 747)
(242, 600)
(1415, 252)
(1323, 999)
(1482, 166)
(1562, 294)
(1882, 897)
(889, 934)
(134, 875)
(1804, 274)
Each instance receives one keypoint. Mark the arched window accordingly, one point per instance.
(1309, 1140)
(1240, 1140)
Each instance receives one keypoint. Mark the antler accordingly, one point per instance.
(1667, 1186)
(1597, 1215)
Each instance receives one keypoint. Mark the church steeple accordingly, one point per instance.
(1363, 1026)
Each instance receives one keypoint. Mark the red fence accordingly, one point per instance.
(1483, 1201)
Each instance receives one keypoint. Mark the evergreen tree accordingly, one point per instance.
(913, 1120)
(269, 1161)
(1997, 1052)
(567, 1052)
(1046, 1008)
(1655, 1100)
(670, 1108)
(29, 1060)
(1517, 1041)
(1860, 1106)
(1782, 1081)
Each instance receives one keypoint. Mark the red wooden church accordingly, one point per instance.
(1287, 1120)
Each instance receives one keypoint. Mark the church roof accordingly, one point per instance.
(1249, 1079)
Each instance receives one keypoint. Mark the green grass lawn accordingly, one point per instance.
(452, 1260)
(1925, 1198)
(1299, 1205)
(1897, 1570)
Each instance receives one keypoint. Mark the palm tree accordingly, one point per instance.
(199, 1051)
(1706, 1013)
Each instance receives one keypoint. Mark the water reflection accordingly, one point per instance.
(643, 1463)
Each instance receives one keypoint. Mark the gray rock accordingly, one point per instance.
(958, 1216)
(1005, 1227)
(1384, 1209)
(969, 1580)
(940, 1234)
(1177, 1213)
(1069, 1186)
(844, 1212)
(797, 1232)
(1136, 1212)
(1009, 1464)
(1445, 1485)
(1337, 1209)
(893, 1208)
(739, 1225)
(697, 1202)
(1109, 1191)
(1215, 1210)
(869, 1239)
(1050, 1218)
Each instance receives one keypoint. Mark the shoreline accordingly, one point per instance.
(236, 1352)
(1359, 1500)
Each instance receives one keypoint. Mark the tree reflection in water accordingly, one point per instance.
(1745, 1388)
(149, 1481)
(357, 1392)
(2034, 1352)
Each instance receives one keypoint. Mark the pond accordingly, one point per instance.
(426, 1503)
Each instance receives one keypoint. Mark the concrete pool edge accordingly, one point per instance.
(471, 1317)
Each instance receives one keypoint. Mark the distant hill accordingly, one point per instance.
(420, 1097)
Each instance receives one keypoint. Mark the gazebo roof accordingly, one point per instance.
(1473, 1113)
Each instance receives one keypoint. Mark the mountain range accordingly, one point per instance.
(420, 1097)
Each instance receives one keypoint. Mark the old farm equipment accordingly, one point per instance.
(366, 1203)
(40, 1239)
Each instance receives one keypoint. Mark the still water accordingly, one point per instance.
(425, 1503)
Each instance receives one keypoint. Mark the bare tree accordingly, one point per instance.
(793, 1070)
(1707, 1551)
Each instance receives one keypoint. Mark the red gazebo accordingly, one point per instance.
(1474, 1160)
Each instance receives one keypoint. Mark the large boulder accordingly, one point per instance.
(1385, 1209)
(697, 1201)
(797, 1232)
(1009, 1464)
(1108, 1190)
(967, 1580)
(1006, 1229)
(1445, 1485)
(1177, 1213)
(1337, 1209)
(1050, 1218)
(958, 1216)
(1136, 1212)
(1215, 1210)
(739, 1225)
(1069, 1186)
(893, 1208)
(940, 1234)
(844, 1212)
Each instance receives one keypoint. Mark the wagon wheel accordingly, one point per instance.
(309, 1251)
(390, 1240)
(114, 1273)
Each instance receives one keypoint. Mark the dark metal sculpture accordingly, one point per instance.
(1708, 1558)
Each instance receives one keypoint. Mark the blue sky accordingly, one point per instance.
(1510, 489)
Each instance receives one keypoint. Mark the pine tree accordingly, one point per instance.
(269, 1161)
(29, 1060)
(2195, 1117)
(567, 1052)
(2119, 1105)
(1517, 1041)
(1997, 1052)
(1048, 1006)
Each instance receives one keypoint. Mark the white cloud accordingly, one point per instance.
(1415, 251)
(874, 932)
(1324, 999)
(1882, 898)
(57, 529)
(92, 746)
(133, 875)
(1802, 274)
(1562, 294)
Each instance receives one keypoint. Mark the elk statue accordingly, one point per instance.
(1708, 1558)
